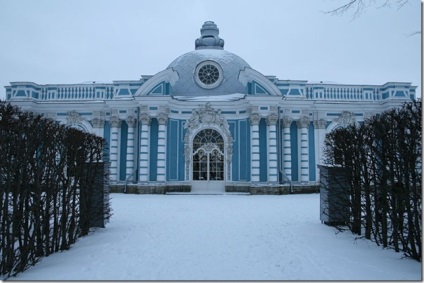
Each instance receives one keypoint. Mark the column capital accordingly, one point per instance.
(162, 118)
(115, 122)
(286, 122)
(131, 121)
(303, 122)
(254, 118)
(319, 124)
(144, 118)
(98, 122)
(271, 119)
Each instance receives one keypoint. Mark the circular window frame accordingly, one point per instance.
(212, 85)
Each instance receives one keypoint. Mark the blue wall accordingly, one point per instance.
(240, 131)
(106, 135)
(175, 161)
(123, 151)
(244, 151)
(311, 145)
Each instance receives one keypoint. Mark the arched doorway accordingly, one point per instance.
(208, 162)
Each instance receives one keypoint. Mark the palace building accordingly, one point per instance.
(210, 123)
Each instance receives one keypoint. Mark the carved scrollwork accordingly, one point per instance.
(162, 118)
(73, 118)
(144, 118)
(303, 122)
(98, 122)
(319, 124)
(115, 122)
(254, 118)
(205, 117)
(346, 118)
(131, 121)
(286, 122)
(271, 119)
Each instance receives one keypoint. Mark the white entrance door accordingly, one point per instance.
(208, 162)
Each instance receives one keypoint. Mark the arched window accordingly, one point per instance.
(208, 156)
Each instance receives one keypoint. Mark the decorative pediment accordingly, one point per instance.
(206, 116)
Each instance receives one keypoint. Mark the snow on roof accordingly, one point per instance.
(214, 98)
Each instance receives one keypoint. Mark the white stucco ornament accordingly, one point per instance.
(203, 118)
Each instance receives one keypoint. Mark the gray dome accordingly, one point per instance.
(209, 51)
(186, 64)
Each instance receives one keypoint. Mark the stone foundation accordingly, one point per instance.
(258, 189)
(149, 189)
(237, 189)
(305, 189)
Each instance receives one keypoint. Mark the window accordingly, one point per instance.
(208, 156)
(208, 74)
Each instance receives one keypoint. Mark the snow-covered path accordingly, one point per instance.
(221, 237)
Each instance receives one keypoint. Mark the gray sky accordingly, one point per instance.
(49, 41)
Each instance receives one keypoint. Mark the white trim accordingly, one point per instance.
(248, 75)
(167, 75)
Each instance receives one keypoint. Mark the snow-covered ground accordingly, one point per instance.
(221, 237)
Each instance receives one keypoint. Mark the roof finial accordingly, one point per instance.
(209, 38)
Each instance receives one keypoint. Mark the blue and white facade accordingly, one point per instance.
(210, 122)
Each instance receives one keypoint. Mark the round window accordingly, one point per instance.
(208, 74)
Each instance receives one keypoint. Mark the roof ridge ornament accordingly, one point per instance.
(209, 37)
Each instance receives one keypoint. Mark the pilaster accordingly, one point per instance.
(254, 136)
(130, 160)
(319, 130)
(161, 165)
(287, 162)
(271, 122)
(115, 124)
(145, 120)
(303, 124)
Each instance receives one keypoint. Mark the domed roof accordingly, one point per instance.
(208, 70)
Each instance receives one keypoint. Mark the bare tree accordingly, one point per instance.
(357, 7)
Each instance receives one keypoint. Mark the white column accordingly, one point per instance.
(254, 141)
(303, 124)
(130, 160)
(115, 124)
(319, 130)
(286, 123)
(271, 122)
(161, 165)
(144, 147)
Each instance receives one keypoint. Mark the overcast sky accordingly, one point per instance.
(54, 42)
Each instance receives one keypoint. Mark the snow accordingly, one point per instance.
(220, 55)
(215, 98)
(221, 237)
